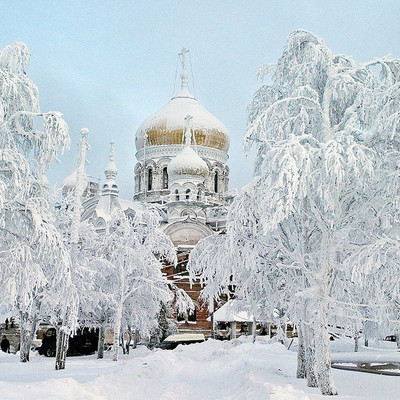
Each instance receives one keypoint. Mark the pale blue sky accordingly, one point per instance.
(107, 65)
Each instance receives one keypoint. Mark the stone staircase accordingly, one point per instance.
(12, 335)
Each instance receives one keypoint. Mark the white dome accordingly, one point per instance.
(187, 162)
(166, 126)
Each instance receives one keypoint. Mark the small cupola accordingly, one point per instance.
(187, 165)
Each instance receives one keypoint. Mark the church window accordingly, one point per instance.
(150, 179)
(176, 195)
(165, 178)
(216, 182)
(198, 195)
(187, 194)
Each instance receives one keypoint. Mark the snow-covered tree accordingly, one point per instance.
(320, 217)
(377, 260)
(70, 210)
(91, 273)
(135, 246)
(315, 173)
(319, 169)
(32, 255)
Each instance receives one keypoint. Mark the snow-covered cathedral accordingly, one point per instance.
(182, 154)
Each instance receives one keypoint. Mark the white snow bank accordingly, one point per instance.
(211, 370)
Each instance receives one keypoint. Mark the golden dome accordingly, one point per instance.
(166, 126)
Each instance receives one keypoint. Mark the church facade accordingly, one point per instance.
(182, 154)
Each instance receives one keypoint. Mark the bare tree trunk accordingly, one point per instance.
(135, 339)
(118, 315)
(310, 357)
(280, 332)
(27, 334)
(122, 342)
(320, 320)
(322, 352)
(367, 326)
(61, 347)
(356, 342)
(24, 347)
(211, 311)
(129, 339)
(100, 345)
(117, 330)
(301, 354)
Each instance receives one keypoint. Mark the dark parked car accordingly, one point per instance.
(83, 343)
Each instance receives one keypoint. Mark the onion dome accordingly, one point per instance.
(187, 162)
(165, 127)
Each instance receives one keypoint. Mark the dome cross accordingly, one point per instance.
(111, 169)
(184, 75)
(188, 131)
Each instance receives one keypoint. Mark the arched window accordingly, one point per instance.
(198, 195)
(187, 194)
(176, 195)
(139, 181)
(165, 178)
(149, 179)
(216, 182)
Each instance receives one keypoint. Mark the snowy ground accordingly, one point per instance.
(210, 371)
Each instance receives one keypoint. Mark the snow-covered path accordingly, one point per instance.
(211, 370)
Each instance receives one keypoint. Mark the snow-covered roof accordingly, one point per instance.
(185, 337)
(106, 206)
(231, 311)
(130, 204)
(70, 181)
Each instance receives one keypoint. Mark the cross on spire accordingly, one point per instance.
(82, 147)
(188, 132)
(111, 157)
(111, 169)
(184, 75)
